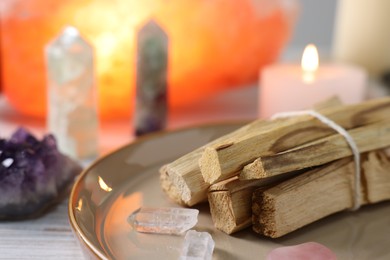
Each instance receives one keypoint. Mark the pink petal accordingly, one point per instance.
(306, 251)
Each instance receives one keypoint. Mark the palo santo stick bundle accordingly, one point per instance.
(182, 179)
(324, 150)
(285, 146)
(222, 160)
(316, 194)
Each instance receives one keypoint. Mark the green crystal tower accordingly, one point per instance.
(151, 86)
(72, 110)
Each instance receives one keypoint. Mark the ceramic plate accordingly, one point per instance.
(121, 182)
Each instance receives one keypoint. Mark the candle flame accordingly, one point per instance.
(103, 185)
(309, 63)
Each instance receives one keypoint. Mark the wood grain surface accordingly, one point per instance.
(47, 237)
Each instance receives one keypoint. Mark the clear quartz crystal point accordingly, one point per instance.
(197, 246)
(163, 220)
(72, 109)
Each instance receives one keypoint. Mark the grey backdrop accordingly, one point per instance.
(315, 25)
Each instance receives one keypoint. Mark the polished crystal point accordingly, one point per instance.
(197, 246)
(151, 105)
(72, 110)
(163, 220)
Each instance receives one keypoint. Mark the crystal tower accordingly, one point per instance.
(72, 111)
(151, 91)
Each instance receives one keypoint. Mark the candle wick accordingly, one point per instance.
(308, 76)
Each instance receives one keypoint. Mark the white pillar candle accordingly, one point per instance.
(288, 87)
(362, 34)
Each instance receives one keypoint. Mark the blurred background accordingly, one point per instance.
(217, 54)
(131, 67)
(315, 24)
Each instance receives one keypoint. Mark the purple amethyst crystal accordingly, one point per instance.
(33, 174)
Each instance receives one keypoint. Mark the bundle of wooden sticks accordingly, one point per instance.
(279, 175)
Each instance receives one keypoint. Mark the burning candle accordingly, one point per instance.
(287, 87)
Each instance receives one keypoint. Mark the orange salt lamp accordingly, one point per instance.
(214, 45)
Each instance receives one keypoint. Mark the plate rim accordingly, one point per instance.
(71, 213)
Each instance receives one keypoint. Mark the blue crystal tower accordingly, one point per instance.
(72, 110)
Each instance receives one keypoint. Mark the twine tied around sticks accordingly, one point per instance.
(339, 129)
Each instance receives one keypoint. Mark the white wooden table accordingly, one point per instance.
(47, 237)
(50, 236)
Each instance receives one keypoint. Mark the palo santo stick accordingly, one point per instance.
(223, 160)
(377, 178)
(316, 194)
(182, 180)
(229, 212)
(331, 102)
(168, 187)
(324, 150)
(231, 201)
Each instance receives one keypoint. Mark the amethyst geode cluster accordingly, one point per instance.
(33, 174)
